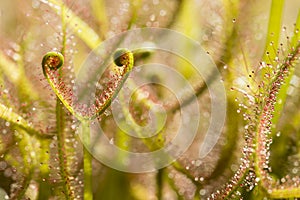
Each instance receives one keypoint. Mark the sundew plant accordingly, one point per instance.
(149, 99)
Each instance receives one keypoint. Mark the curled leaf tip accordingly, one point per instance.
(53, 60)
(123, 57)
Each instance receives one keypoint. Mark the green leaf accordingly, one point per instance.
(54, 60)
(274, 28)
(10, 116)
(80, 28)
(16, 75)
(282, 95)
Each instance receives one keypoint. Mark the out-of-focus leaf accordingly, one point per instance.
(17, 76)
(10, 116)
(80, 28)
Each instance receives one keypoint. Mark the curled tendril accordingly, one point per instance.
(123, 57)
(52, 61)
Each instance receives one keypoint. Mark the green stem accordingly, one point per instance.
(25, 146)
(79, 27)
(174, 187)
(159, 183)
(9, 115)
(25, 185)
(285, 193)
(283, 92)
(87, 162)
(136, 6)
(18, 77)
(296, 36)
(265, 119)
(274, 27)
(237, 184)
(60, 125)
(226, 158)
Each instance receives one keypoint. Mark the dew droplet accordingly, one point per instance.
(202, 192)
(198, 163)
(111, 141)
(8, 172)
(295, 170)
(152, 17)
(284, 28)
(73, 126)
(162, 13)
(3, 165)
